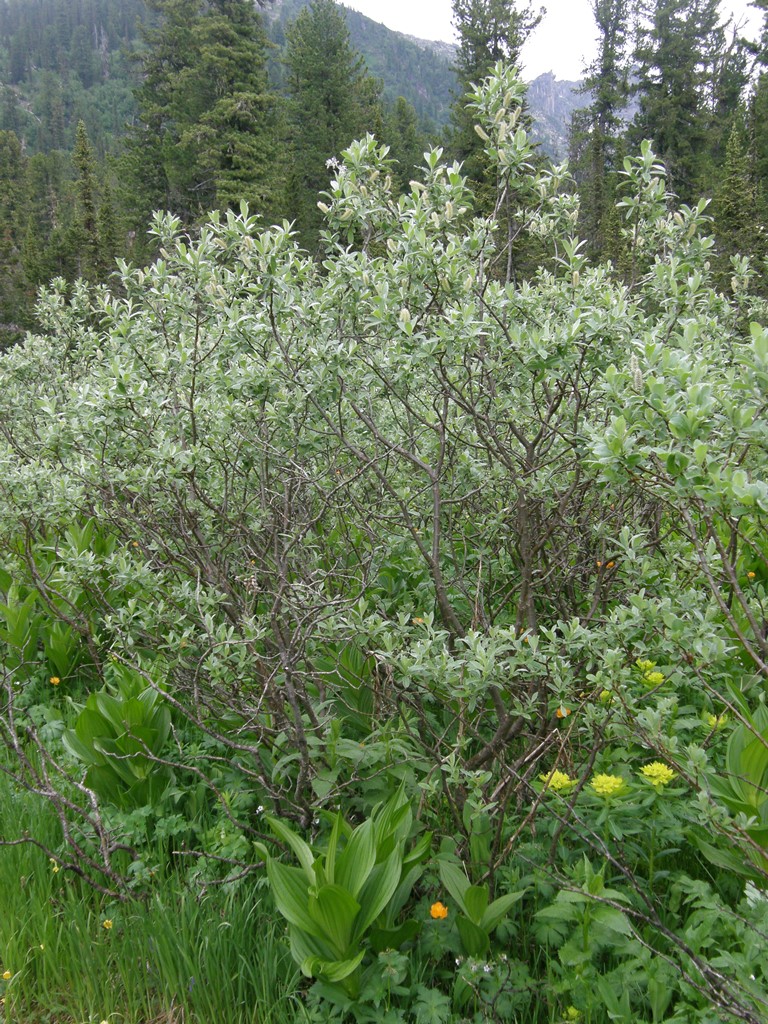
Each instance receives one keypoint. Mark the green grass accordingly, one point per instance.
(181, 955)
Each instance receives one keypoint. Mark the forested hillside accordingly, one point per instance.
(383, 526)
(189, 105)
(196, 104)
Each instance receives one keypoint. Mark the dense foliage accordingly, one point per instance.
(449, 588)
(193, 105)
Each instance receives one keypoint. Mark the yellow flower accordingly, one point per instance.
(645, 665)
(572, 1014)
(608, 785)
(417, 620)
(557, 781)
(7, 975)
(107, 923)
(54, 866)
(438, 911)
(55, 680)
(750, 575)
(716, 721)
(657, 774)
(653, 678)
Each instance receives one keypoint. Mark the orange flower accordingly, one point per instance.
(609, 565)
(438, 911)
(563, 712)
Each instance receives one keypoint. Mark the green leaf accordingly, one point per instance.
(476, 902)
(334, 912)
(291, 894)
(304, 946)
(394, 938)
(474, 940)
(455, 881)
(303, 852)
(90, 727)
(105, 783)
(378, 890)
(613, 919)
(401, 894)
(358, 858)
(418, 851)
(78, 749)
(330, 855)
(499, 908)
(393, 818)
(728, 859)
(331, 970)
(110, 708)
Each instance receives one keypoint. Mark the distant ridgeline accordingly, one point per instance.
(62, 61)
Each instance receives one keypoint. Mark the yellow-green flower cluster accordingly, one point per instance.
(558, 781)
(657, 773)
(608, 785)
(716, 721)
(647, 673)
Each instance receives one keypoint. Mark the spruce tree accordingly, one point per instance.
(738, 227)
(596, 130)
(207, 131)
(109, 246)
(489, 31)
(688, 81)
(15, 304)
(406, 142)
(333, 100)
(85, 236)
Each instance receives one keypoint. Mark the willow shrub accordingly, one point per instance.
(399, 515)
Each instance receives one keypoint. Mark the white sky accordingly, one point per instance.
(562, 43)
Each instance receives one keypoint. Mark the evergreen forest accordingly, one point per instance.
(383, 520)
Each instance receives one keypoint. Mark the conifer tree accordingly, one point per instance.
(738, 227)
(14, 287)
(489, 31)
(688, 81)
(757, 111)
(596, 131)
(207, 132)
(85, 236)
(333, 100)
(406, 141)
(109, 247)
